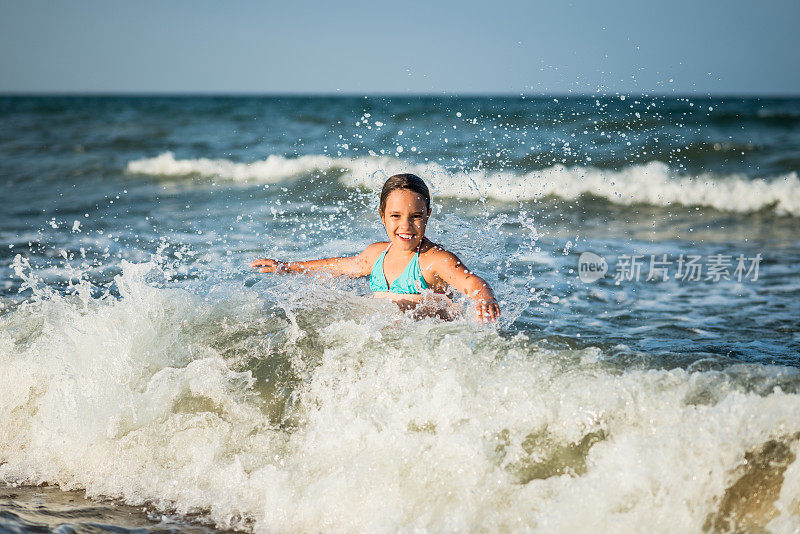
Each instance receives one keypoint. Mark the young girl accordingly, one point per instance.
(409, 262)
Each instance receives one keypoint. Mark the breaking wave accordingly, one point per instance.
(652, 183)
(279, 409)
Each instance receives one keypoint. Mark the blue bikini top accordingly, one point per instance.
(410, 281)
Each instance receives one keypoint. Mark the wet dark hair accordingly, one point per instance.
(411, 182)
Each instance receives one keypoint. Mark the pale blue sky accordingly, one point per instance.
(453, 47)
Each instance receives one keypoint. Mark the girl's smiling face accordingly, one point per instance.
(405, 218)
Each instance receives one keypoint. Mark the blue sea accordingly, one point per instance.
(643, 376)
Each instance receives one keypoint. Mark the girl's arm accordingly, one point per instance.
(449, 268)
(352, 266)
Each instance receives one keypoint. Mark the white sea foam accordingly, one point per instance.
(652, 183)
(272, 169)
(449, 428)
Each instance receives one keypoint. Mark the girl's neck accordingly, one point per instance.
(398, 251)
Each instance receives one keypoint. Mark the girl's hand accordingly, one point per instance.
(487, 311)
(449, 268)
(267, 266)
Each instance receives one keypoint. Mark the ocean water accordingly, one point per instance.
(643, 376)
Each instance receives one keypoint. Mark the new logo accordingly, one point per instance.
(591, 267)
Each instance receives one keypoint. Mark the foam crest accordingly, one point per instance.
(273, 169)
(652, 183)
(343, 415)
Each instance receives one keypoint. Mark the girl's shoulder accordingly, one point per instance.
(434, 254)
(378, 245)
(374, 250)
(429, 248)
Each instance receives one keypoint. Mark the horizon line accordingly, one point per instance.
(342, 94)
